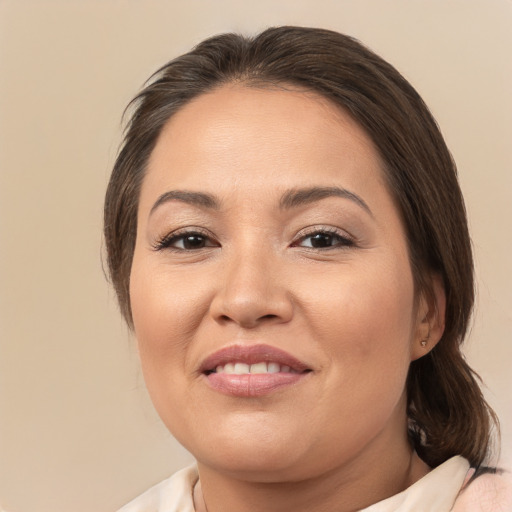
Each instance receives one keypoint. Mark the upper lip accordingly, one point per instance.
(251, 354)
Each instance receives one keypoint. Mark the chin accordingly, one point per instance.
(259, 450)
(266, 466)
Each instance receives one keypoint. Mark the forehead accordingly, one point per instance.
(245, 137)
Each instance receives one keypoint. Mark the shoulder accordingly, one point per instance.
(490, 492)
(172, 495)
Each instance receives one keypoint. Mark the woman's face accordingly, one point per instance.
(271, 289)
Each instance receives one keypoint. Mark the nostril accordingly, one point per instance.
(227, 318)
(249, 312)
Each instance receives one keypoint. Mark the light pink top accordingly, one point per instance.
(444, 489)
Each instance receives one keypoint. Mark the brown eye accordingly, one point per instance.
(188, 241)
(193, 241)
(321, 240)
(325, 240)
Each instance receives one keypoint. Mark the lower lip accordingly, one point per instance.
(252, 385)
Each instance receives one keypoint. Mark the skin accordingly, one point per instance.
(336, 439)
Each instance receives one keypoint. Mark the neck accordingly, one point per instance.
(369, 478)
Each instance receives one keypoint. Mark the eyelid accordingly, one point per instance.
(164, 242)
(331, 230)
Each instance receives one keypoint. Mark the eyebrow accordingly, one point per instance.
(294, 198)
(194, 198)
(304, 196)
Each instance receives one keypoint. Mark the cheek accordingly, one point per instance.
(364, 319)
(166, 312)
(368, 339)
(166, 307)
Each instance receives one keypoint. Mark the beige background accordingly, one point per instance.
(77, 432)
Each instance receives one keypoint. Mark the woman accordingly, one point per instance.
(287, 238)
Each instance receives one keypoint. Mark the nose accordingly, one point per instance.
(252, 291)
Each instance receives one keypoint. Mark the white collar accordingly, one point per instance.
(435, 492)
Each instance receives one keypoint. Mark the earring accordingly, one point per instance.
(424, 342)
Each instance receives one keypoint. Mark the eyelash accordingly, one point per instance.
(342, 239)
(167, 241)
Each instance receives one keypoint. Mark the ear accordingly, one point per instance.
(430, 318)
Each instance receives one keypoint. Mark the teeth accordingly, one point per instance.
(244, 369)
(273, 368)
(241, 368)
(259, 368)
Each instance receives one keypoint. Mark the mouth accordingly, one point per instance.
(239, 368)
(252, 370)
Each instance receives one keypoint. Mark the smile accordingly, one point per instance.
(257, 368)
(252, 370)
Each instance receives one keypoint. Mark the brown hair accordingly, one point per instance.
(447, 412)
